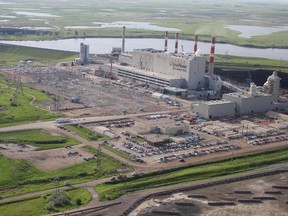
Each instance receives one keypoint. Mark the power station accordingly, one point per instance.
(189, 75)
(162, 69)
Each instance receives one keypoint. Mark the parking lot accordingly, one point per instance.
(205, 139)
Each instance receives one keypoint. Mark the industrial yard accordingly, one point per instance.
(97, 96)
(259, 196)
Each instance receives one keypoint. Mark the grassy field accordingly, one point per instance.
(23, 111)
(36, 205)
(19, 176)
(11, 55)
(201, 17)
(111, 190)
(41, 139)
(226, 61)
(121, 154)
(87, 133)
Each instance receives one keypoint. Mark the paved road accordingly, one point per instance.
(88, 185)
(52, 124)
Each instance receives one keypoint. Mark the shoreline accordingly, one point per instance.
(155, 37)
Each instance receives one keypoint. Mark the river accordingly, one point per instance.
(104, 45)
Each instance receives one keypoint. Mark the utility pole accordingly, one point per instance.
(98, 161)
(57, 185)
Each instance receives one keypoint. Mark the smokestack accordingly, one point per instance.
(195, 43)
(123, 39)
(166, 42)
(176, 43)
(211, 61)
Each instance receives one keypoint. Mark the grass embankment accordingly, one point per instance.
(86, 133)
(226, 61)
(223, 167)
(23, 111)
(41, 139)
(36, 205)
(20, 176)
(94, 136)
(121, 154)
(11, 55)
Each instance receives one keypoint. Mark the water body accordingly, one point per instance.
(250, 31)
(5, 3)
(25, 13)
(128, 25)
(104, 45)
(10, 17)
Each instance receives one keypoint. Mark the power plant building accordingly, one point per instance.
(163, 69)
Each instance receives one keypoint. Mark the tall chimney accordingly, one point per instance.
(166, 42)
(123, 39)
(176, 43)
(212, 51)
(195, 43)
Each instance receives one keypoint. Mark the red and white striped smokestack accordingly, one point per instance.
(176, 43)
(166, 42)
(195, 43)
(212, 51)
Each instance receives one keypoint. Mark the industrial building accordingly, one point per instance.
(160, 126)
(240, 103)
(211, 109)
(247, 103)
(162, 69)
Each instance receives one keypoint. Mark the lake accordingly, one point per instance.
(250, 31)
(104, 45)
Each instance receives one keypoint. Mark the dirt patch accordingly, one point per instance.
(224, 193)
(49, 159)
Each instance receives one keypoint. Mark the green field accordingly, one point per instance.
(11, 55)
(226, 61)
(23, 111)
(36, 205)
(86, 133)
(202, 17)
(41, 139)
(209, 170)
(19, 176)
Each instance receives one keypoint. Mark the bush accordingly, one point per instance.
(67, 183)
(108, 197)
(44, 196)
(62, 200)
(78, 201)
(58, 199)
(50, 206)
